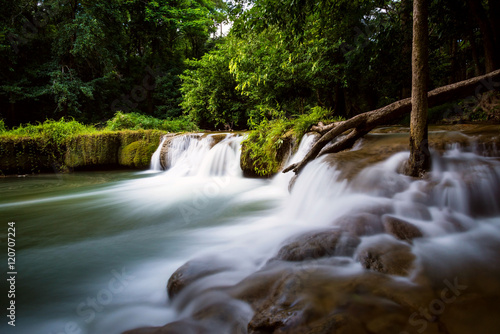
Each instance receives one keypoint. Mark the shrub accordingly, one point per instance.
(136, 121)
(266, 146)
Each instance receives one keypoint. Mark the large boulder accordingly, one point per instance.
(327, 296)
(318, 244)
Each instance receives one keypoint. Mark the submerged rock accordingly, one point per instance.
(401, 229)
(333, 242)
(360, 224)
(386, 255)
(178, 327)
(324, 298)
(190, 272)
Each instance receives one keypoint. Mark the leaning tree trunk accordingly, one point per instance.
(356, 127)
(420, 159)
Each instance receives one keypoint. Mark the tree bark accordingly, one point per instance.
(420, 159)
(365, 122)
(490, 47)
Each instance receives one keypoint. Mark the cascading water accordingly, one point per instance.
(155, 159)
(376, 253)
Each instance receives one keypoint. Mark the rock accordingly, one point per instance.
(314, 245)
(164, 150)
(268, 165)
(386, 255)
(190, 272)
(178, 327)
(401, 229)
(338, 299)
(217, 138)
(137, 154)
(360, 224)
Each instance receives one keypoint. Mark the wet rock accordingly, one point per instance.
(333, 242)
(164, 150)
(178, 327)
(190, 272)
(401, 229)
(251, 161)
(217, 138)
(338, 299)
(360, 224)
(475, 314)
(386, 255)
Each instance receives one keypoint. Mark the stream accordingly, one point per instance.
(95, 250)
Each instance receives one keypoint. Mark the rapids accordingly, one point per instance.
(95, 255)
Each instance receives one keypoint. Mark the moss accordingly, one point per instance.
(92, 149)
(25, 155)
(264, 156)
(30, 155)
(137, 154)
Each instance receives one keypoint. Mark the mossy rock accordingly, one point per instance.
(257, 162)
(137, 154)
(92, 150)
(24, 155)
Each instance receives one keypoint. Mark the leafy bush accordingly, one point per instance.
(260, 149)
(51, 131)
(136, 121)
(263, 147)
(2, 126)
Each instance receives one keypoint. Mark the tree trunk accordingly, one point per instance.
(490, 48)
(494, 14)
(475, 57)
(420, 158)
(365, 122)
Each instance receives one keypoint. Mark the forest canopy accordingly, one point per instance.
(281, 59)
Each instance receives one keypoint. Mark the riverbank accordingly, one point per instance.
(97, 151)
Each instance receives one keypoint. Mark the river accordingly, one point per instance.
(94, 250)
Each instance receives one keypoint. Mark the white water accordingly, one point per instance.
(155, 159)
(202, 207)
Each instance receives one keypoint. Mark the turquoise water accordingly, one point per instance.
(94, 250)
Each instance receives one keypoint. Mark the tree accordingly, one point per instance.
(419, 161)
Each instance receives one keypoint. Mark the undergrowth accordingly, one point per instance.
(50, 131)
(136, 121)
(263, 147)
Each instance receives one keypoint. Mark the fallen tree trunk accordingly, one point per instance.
(360, 125)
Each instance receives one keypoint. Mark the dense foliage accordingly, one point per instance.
(90, 59)
(269, 144)
(285, 57)
(87, 60)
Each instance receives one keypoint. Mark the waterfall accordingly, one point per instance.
(223, 159)
(307, 141)
(200, 155)
(155, 159)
